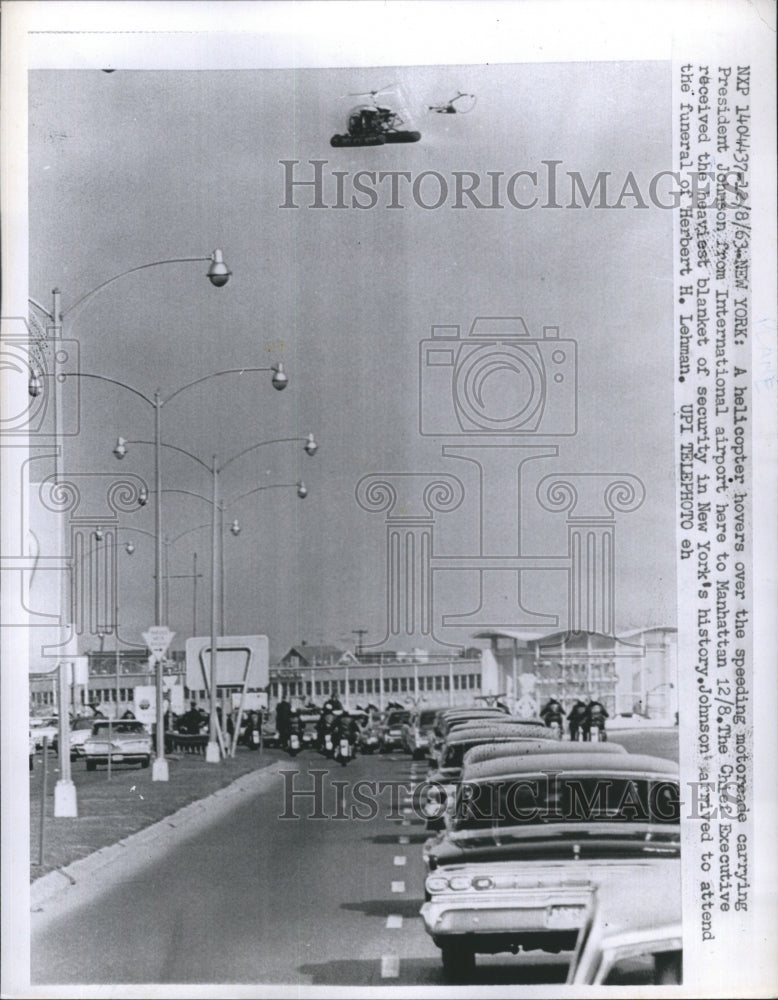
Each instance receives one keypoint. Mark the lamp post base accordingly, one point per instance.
(212, 753)
(65, 801)
(159, 769)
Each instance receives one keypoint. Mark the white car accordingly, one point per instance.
(120, 741)
(41, 727)
(533, 843)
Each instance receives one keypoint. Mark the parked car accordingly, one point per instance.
(534, 838)
(443, 781)
(624, 944)
(122, 741)
(448, 717)
(44, 726)
(500, 745)
(80, 731)
(418, 731)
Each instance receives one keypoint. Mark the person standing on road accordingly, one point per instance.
(283, 716)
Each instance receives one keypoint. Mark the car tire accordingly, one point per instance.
(91, 765)
(668, 968)
(458, 961)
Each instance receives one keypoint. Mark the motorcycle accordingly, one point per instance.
(554, 723)
(327, 747)
(293, 744)
(254, 738)
(596, 731)
(344, 752)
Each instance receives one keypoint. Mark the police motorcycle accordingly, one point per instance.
(326, 730)
(595, 723)
(553, 716)
(252, 734)
(294, 739)
(346, 734)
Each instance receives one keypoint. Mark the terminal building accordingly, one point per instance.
(634, 672)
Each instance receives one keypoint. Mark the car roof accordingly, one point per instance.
(486, 751)
(484, 734)
(469, 710)
(501, 720)
(572, 763)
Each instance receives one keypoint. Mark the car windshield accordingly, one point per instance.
(82, 724)
(553, 798)
(397, 718)
(427, 718)
(102, 728)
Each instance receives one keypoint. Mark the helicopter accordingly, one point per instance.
(448, 108)
(373, 124)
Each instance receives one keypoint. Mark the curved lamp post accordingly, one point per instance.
(65, 800)
(213, 752)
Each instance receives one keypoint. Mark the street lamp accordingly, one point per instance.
(213, 754)
(65, 800)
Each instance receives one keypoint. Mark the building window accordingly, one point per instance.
(411, 683)
(318, 688)
(369, 685)
(352, 686)
(360, 686)
(403, 683)
(395, 685)
(438, 683)
(446, 683)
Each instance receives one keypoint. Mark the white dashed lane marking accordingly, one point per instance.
(399, 860)
(403, 840)
(398, 886)
(394, 921)
(390, 966)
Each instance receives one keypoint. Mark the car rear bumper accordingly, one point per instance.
(507, 913)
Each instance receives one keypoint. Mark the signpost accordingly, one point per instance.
(158, 638)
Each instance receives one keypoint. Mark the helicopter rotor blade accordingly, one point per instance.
(371, 93)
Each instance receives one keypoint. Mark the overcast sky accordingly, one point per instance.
(133, 166)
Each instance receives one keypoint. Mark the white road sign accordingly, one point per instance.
(158, 638)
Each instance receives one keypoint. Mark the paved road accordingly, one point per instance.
(261, 899)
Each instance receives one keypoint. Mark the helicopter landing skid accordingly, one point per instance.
(402, 136)
(358, 140)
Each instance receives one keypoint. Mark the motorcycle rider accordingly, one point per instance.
(553, 712)
(576, 718)
(325, 724)
(254, 724)
(294, 726)
(596, 714)
(347, 727)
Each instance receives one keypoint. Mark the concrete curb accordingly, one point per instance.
(106, 866)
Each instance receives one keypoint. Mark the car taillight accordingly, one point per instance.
(435, 883)
(483, 882)
(459, 883)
